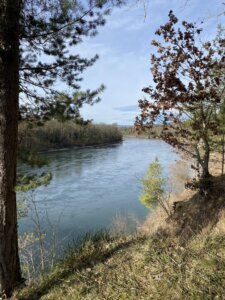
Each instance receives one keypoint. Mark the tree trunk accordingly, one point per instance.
(205, 163)
(223, 150)
(205, 169)
(9, 90)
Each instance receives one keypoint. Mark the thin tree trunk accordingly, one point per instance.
(205, 165)
(9, 90)
(223, 150)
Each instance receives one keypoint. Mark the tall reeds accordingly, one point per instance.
(55, 135)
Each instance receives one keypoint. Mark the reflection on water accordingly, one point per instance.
(90, 186)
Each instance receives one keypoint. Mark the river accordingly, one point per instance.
(92, 186)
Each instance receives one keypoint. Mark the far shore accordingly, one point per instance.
(81, 147)
(140, 137)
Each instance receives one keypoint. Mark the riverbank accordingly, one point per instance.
(55, 135)
(181, 257)
(157, 266)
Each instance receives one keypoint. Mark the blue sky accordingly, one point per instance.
(124, 48)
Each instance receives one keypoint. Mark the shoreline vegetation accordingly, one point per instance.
(176, 257)
(55, 135)
(130, 132)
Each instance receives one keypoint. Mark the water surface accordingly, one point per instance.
(91, 186)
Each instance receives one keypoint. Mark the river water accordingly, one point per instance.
(91, 187)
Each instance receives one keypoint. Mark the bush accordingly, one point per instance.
(154, 186)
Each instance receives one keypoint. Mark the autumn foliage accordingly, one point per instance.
(187, 94)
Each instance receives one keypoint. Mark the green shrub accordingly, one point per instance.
(154, 188)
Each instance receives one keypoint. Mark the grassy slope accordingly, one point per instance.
(138, 268)
(179, 258)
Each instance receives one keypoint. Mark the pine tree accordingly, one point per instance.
(9, 93)
(37, 50)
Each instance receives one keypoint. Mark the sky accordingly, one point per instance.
(124, 47)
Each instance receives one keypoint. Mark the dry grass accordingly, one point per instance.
(138, 268)
(55, 135)
(216, 163)
(192, 212)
